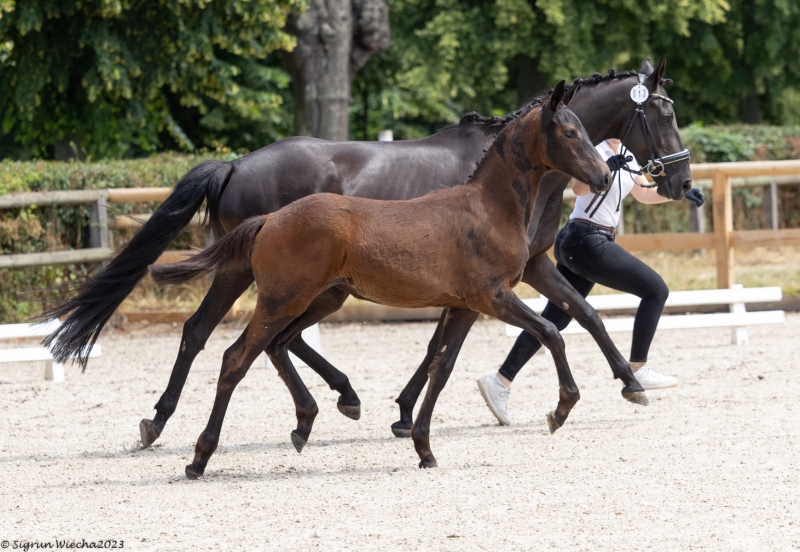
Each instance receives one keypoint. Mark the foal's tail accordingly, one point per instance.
(231, 253)
(99, 296)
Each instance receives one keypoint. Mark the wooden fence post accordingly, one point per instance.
(771, 205)
(99, 230)
(723, 228)
(98, 233)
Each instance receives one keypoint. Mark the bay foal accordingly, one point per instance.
(462, 248)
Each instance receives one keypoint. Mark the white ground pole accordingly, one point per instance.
(53, 371)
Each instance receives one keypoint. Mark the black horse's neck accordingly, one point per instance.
(604, 108)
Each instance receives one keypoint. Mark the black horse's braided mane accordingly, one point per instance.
(476, 118)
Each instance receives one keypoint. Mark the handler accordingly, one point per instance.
(586, 254)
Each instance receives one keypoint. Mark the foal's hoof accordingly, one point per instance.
(401, 429)
(636, 397)
(351, 411)
(552, 423)
(147, 433)
(193, 473)
(298, 441)
(428, 462)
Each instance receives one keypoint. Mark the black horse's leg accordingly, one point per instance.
(235, 363)
(410, 393)
(224, 291)
(541, 274)
(324, 304)
(510, 309)
(457, 323)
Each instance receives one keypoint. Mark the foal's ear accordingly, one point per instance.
(557, 95)
(647, 66)
(571, 94)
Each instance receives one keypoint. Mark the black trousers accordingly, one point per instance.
(587, 255)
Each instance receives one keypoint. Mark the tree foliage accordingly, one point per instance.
(455, 55)
(126, 77)
(744, 68)
(114, 75)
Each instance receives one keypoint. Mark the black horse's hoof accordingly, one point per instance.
(147, 433)
(428, 462)
(351, 411)
(401, 429)
(298, 441)
(552, 423)
(636, 397)
(193, 473)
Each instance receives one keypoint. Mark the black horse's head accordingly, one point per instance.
(662, 152)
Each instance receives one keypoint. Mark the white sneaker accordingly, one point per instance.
(650, 379)
(495, 393)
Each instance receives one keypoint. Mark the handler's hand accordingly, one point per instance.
(616, 162)
(695, 195)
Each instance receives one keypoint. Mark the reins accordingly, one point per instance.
(656, 164)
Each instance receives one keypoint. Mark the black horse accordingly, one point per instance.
(272, 177)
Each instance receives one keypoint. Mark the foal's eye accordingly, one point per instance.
(570, 133)
(666, 119)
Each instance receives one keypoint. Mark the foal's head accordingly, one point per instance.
(567, 146)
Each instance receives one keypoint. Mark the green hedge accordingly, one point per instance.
(716, 144)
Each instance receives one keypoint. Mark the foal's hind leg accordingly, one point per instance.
(508, 308)
(457, 323)
(410, 393)
(326, 303)
(305, 407)
(224, 291)
(235, 363)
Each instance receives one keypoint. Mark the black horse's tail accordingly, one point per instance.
(231, 253)
(99, 296)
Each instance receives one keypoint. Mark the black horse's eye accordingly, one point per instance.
(666, 119)
(570, 133)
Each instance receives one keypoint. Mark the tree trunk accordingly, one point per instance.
(335, 38)
(748, 104)
(530, 81)
(68, 148)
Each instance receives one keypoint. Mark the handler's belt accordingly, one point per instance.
(607, 230)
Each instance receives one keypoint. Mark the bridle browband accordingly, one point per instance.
(656, 165)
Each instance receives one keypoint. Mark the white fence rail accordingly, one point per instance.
(738, 319)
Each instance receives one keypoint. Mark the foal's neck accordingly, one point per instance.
(510, 172)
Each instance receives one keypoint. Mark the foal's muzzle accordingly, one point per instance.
(601, 186)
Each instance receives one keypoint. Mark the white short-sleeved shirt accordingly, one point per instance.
(607, 214)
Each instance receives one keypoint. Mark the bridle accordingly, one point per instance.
(656, 165)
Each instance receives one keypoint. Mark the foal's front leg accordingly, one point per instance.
(542, 275)
(508, 308)
(455, 327)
